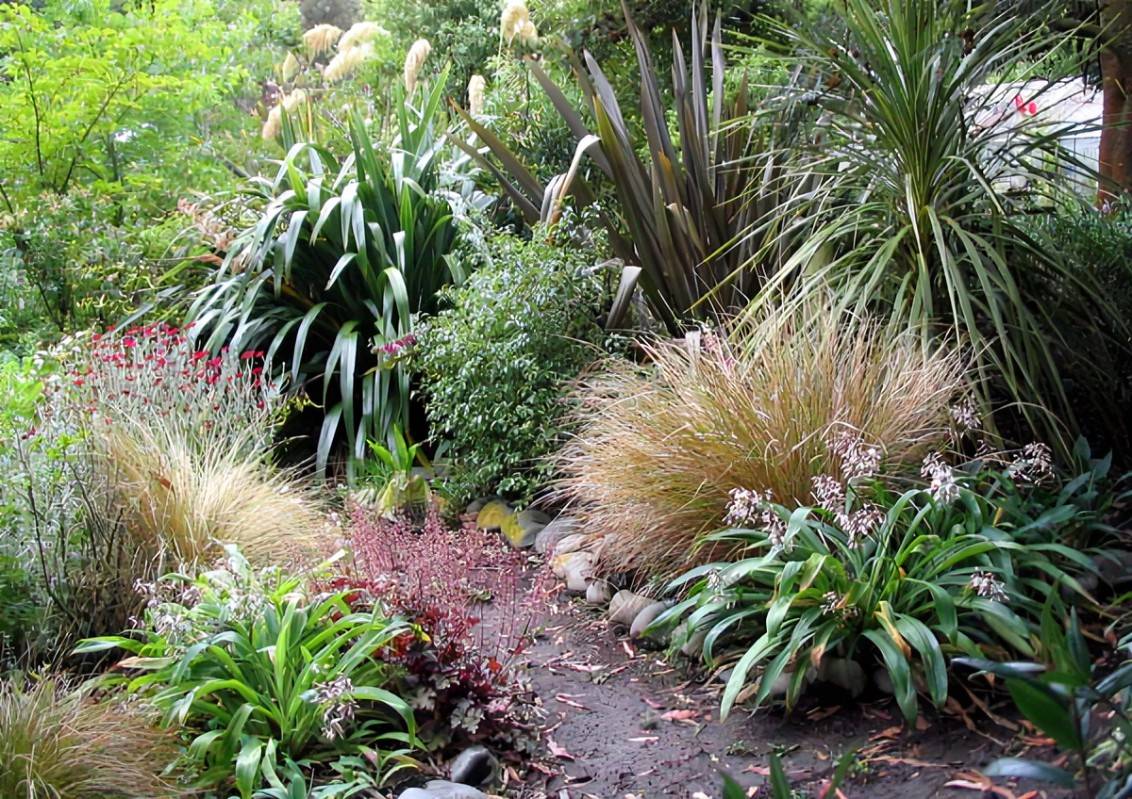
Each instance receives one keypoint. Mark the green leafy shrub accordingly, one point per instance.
(328, 280)
(266, 680)
(1072, 700)
(59, 741)
(875, 575)
(1098, 376)
(23, 604)
(496, 362)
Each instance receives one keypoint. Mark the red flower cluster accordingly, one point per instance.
(157, 369)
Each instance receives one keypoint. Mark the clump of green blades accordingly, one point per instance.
(341, 259)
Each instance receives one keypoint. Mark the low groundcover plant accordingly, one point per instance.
(266, 681)
(865, 572)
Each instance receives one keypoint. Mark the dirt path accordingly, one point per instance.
(622, 723)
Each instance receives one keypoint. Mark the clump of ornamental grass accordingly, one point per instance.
(179, 505)
(660, 446)
(182, 439)
(58, 742)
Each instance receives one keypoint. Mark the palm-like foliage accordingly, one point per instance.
(914, 152)
(684, 206)
(342, 257)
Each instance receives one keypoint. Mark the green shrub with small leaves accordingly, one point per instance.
(497, 360)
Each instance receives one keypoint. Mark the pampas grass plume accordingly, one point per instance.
(321, 38)
(476, 86)
(414, 60)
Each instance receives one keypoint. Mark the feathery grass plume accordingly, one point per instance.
(346, 62)
(360, 33)
(290, 67)
(321, 38)
(273, 125)
(476, 87)
(414, 60)
(659, 448)
(56, 741)
(515, 23)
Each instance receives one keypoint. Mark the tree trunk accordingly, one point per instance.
(1116, 80)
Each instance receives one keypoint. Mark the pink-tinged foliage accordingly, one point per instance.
(474, 603)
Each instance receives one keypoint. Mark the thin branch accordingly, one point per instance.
(34, 104)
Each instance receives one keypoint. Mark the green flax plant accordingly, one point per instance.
(916, 152)
(688, 200)
(343, 256)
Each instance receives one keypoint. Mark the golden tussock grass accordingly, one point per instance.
(57, 742)
(659, 447)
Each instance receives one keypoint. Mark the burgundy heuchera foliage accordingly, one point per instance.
(467, 593)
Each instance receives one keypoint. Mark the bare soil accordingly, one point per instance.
(624, 723)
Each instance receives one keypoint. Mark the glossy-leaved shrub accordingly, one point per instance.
(497, 360)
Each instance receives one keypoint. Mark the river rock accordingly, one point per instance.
(845, 673)
(520, 529)
(579, 571)
(625, 606)
(547, 539)
(474, 766)
(646, 616)
(598, 592)
(443, 789)
(571, 543)
(692, 646)
(882, 681)
(493, 515)
(560, 563)
(476, 505)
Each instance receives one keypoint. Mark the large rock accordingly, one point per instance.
(474, 766)
(523, 528)
(493, 515)
(476, 505)
(598, 592)
(691, 646)
(571, 543)
(547, 539)
(578, 572)
(560, 563)
(846, 674)
(442, 789)
(646, 616)
(625, 606)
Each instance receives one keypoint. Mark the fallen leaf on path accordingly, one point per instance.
(567, 699)
(652, 703)
(894, 731)
(561, 752)
(679, 715)
(974, 781)
(820, 713)
(644, 739)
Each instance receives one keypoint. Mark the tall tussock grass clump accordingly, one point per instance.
(659, 447)
(180, 503)
(57, 742)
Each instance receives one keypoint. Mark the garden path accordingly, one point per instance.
(622, 723)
